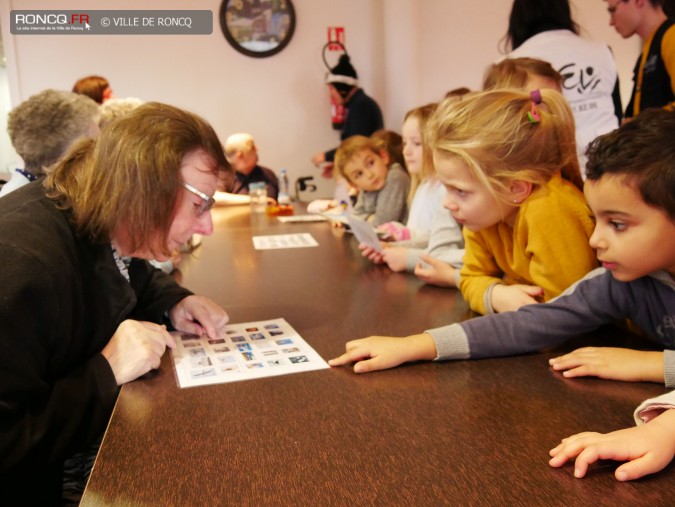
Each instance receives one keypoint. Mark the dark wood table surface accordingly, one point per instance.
(460, 433)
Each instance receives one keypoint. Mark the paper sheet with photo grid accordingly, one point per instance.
(247, 351)
(276, 241)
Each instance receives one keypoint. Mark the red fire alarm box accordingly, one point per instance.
(336, 34)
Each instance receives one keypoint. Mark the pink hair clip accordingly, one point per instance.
(533, 114)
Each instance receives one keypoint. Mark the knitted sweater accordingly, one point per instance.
(596, 300)
(547, 246)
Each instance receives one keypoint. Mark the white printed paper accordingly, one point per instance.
(276, 241)
(302, 218)
(248, 351)
(365, 233)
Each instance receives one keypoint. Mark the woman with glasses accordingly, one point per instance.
(81, 310)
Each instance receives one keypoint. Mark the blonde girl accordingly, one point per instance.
(422, 205)
(425, 190)
(508, 161)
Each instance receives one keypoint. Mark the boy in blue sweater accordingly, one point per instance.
(631, 189)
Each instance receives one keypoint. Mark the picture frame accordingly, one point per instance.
(257, 28)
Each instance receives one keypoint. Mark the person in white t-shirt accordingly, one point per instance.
(544, 29)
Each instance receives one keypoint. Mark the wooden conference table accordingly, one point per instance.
(461, 433)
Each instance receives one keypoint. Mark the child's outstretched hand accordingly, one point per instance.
(647, 448)
(382, 352)
(611, 363)
(507, 298)
(435, 272)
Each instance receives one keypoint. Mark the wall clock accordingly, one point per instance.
(257, 28)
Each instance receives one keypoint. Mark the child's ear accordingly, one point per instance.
(384, 155)
(520, 190)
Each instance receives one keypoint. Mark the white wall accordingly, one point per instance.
(459, 40)
(9, 157)
(407, 52)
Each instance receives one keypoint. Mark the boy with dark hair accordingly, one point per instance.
(631, 190)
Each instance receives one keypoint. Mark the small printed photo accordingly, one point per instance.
(204, 372)
(257, 336)
(299, 359)
(237, 339)
(231, 331)
(188, 345)
(223, 360)
(251, 329)
(291, 350)
(276, 333)
(216, 341)
(242, 347)
(186, 337)
(248, 356)
(263, 345)
(230, 368)
(272, 326)
(277, 362)
(221, 349)
(200, 352)
(254, 365)
(284, 341)
(200, 362)
(270, 353)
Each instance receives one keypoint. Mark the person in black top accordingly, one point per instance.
(363, 115)
(81, 311)
(653, 81)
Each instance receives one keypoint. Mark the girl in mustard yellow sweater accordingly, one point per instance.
(509, 163)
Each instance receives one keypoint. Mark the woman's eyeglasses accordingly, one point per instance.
(207, 201)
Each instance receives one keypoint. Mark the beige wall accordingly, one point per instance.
(406, 52)
(458, 39)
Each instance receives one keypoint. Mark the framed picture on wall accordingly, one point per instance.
(257, 28)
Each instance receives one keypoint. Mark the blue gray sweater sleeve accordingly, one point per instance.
(596, 300)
